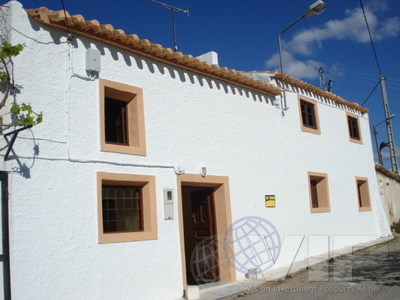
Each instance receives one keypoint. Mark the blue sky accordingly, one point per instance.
(244, 34)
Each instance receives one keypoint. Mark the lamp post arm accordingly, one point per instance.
(279, 40)
(284, 103)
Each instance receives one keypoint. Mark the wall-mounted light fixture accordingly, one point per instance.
(203, 171)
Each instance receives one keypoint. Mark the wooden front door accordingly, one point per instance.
(200, 245)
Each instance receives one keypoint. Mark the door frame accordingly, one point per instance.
(5, 255)
(223, 218)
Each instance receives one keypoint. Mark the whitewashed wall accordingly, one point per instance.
(191, 121)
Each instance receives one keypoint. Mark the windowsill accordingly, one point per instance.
(361, 209)
(356, 141)
(126, 149)
(310, 130)
(320, 210)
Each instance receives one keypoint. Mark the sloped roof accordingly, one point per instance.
(117, 37)
(387, 172)
(317, 91)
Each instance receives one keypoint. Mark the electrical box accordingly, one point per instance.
(93, 60)
(168, 204)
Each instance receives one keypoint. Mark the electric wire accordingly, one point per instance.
(370, 38)
(70, 36)
(370, 94)
(364, 76)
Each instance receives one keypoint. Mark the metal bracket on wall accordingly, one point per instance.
(14, 137)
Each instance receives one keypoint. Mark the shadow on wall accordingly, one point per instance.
(22, 168)
(56, 35)
(144, 63)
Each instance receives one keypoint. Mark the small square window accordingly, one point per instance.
(122, 208)
(309, 115)
(126, 207)
(121, 118)
(354, 128)
(364, 203)
(318, 191)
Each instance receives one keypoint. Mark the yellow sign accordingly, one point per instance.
(269, 200)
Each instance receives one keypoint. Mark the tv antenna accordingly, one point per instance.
(323, 83)
(173, 9)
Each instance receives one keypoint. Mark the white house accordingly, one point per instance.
(146, 154)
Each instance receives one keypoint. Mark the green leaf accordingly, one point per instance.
(28, 121)
(39, 118)
(3, 77)
(26, 107)
(15, 109)
(7, 49)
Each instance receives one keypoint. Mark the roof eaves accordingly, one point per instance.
(106, 33)
(319, 92)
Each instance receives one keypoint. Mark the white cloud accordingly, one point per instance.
(307, 69)
(378, 5)
(386, 154)
(350, 28)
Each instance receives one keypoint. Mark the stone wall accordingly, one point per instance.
(389, 190)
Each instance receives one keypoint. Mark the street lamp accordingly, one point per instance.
(382, 145)
(315, 9)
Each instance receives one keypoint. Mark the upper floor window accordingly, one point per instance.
(115, 121)
(309, 115)
(121, 118)
(354, 128)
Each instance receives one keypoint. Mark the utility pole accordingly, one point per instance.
(392, 146)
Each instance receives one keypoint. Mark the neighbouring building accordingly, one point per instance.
(146, 154)
(389, 189)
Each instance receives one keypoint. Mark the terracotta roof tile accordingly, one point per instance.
(117, 37)
(317, 91)
(106, 33)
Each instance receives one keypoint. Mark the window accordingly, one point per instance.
(354, 128)
(364, 203)
(115, 121)
(309, 115)
(122, 208)
(121, 118)
(126, 207)
(318, 191)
